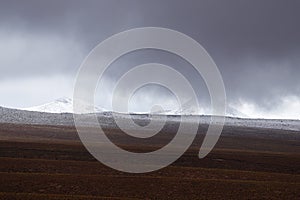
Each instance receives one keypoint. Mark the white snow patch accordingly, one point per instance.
(61, 105)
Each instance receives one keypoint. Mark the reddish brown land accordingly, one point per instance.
(49, 162)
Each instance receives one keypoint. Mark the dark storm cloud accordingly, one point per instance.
(255, 44)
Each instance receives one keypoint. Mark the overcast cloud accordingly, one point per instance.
(255, 44)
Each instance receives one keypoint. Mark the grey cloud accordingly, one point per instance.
(255, 44)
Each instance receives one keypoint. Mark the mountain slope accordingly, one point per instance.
(15, 116)
(189, 108)
(61, 105)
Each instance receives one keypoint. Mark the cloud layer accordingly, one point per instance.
(255, 44)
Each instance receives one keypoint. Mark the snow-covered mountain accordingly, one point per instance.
(15, 116)
(59, 112)
(188, 108)
(65, 105)
(61, 105)
(232, 112)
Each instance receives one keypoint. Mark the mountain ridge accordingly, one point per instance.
(106, 119)
(61, 105)
(65, 105)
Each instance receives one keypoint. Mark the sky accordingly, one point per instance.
(255, 44)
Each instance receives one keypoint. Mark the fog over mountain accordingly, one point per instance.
(65, 105)
(255, 44)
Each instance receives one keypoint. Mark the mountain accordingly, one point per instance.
(61, 105)
(188, 108)
(65, 105)
(59, 112)
(232, 112)
(14, 116)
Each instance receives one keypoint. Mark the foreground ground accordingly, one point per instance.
(47, 162)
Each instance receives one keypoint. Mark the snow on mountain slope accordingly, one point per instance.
(188, 108)
(15, 116)
(280, 124)
(62, 105)
(232, 112)
(65, 105)
(8, 115)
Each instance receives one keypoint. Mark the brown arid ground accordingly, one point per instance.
(49, 162)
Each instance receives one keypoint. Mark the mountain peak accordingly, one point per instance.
(61, 105)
